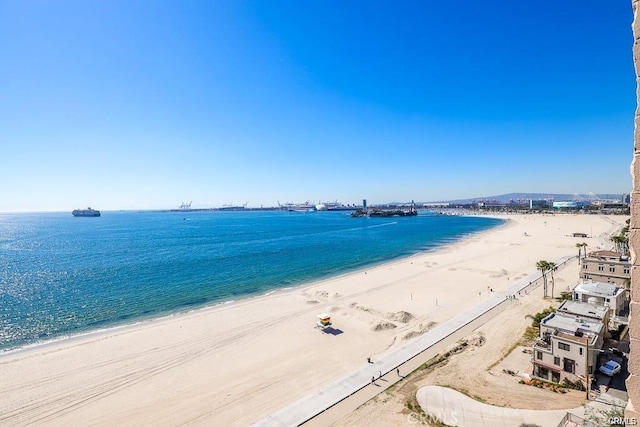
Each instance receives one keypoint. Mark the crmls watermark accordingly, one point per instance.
(620, 421)
(448, 418)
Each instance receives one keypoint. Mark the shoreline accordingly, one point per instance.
(235, 364)
(142, 321)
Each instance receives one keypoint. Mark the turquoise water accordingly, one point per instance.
(61, 275)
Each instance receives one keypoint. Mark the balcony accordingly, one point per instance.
(543, 345)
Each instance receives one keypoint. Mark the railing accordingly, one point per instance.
(543, 346)
(572, 418)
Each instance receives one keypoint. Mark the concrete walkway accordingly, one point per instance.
(337, 399)
(455, 409)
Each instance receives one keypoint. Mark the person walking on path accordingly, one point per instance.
(398, 371)
(373, 379)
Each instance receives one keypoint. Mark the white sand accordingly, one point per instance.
(234, 364)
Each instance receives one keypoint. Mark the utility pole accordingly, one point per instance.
(587, 367)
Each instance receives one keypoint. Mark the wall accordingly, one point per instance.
(633, 381)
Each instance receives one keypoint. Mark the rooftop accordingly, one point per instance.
(598, 288)
(572, 325)
(604, 253)
(583, 309)
(611, 255)
(581, 340)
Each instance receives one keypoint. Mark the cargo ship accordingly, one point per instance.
(85, 212)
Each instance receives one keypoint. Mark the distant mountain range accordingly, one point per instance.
(506, 198)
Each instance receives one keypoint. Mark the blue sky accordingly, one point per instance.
(145, 104)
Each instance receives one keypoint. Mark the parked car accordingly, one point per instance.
(610, 368)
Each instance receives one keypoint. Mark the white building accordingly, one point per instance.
(568, 347)
(605, 294)
(579, 309)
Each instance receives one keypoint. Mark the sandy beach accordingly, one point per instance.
(237, 363)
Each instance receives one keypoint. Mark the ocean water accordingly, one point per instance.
(61, 275)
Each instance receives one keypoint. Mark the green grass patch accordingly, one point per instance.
(530, 334)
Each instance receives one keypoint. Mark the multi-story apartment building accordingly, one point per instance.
(568, 346)
(606, 267)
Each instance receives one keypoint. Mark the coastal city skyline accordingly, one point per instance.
(148, 105)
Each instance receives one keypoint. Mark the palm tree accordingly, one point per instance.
(579, 246)
(617, 242)
(625, 244)
(543, 266)
(621, 241)
(584, 248)
(552, 267)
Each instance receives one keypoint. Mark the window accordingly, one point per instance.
(555, 376)
(626, 270)
(539, 355)
(563, 346)
(580, 351)
(585, 266)
(569, 365)
(543, 372)
(556, 361)
(601, 268)
(612, 269)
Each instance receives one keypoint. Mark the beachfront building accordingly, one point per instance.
(581, 310)
(607, 267)
(605, 294)
(568, 347)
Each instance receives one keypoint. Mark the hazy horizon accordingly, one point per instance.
(357, 202)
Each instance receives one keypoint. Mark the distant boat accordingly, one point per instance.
(85, 212)
(303, 210)
(298, 207)
(233, 207)
(342, 208)
(336, 206)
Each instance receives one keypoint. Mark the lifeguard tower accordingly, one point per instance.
(324, 321)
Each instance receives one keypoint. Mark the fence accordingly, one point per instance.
(579, 421)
